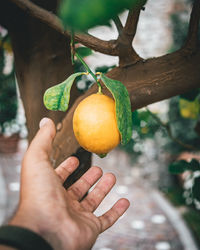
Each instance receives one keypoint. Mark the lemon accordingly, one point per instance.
(95, 124)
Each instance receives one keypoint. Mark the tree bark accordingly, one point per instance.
(42, 59)
(147, 82)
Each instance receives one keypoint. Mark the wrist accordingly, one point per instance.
(22, 220)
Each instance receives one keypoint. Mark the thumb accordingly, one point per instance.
(41, 144)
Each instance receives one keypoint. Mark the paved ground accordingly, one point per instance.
(148, 223)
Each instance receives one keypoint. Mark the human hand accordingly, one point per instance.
(61, 216)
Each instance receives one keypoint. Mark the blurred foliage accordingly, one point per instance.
(84, 51)
(189, 109)
(189, 104)
(179, 31)
(184, 117)
(191, 215)
(192, 218)
(180, 25)
(8, 92)
(85, 14)
(182, 128)
(144, 126)
(178, 167)
(104, 69)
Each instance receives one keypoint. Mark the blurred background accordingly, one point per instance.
(152, 169)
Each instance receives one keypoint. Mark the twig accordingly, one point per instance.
(192, 37)
(127, 54)
(118, 24)
(168, 129)
(130, 27)
(106, 47)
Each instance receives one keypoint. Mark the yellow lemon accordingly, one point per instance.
(95, 124)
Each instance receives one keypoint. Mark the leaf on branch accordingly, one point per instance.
(179, 167)
(122, 106)
(58, 96)
(84, 14)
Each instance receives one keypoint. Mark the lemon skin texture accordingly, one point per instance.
(95, 124)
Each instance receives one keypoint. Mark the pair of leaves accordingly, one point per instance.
(179, 167)
(84, 14)
(57, 98)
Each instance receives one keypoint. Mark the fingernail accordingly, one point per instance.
(43, 122)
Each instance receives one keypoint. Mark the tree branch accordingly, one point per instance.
(147, 82)
(130, 27)
(127, 54)
(192, 38)
(106, 47)
(118, 24)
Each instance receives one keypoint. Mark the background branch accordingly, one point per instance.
(166, 126)
(192, 38)
(118, 24)
(130, 27)
(106, 47)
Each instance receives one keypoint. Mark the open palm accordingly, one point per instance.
(61, 216)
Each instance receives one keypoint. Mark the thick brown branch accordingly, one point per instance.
(130, 27)
(192, 39)
(106, 47)
(147, 82)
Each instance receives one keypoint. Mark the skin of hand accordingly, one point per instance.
(61, 216)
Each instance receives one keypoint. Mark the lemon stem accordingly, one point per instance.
(89, 70)
(72, 47)
(100, 88)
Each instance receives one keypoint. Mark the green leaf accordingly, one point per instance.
(179, 167)
(84, 14)
(57, 97)
(122, 106)
(84, 51)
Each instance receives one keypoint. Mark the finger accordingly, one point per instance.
(81, 187)
(95, 197)
(40, 147)
(67, 167)
(112, 215)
